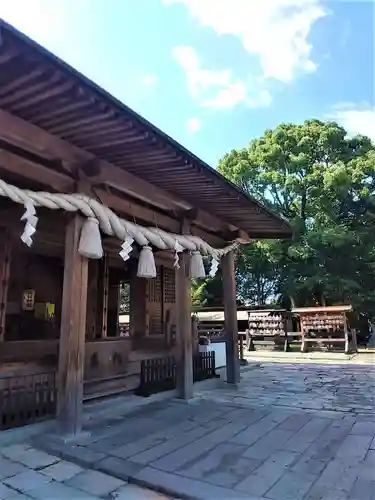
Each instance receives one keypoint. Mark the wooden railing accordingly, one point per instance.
(25, 399)
(159, 374)
(204, 366)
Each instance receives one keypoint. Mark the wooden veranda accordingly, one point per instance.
(60, 133)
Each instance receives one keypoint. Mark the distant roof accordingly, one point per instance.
(321, 309)
(219, 316)
(40, 88)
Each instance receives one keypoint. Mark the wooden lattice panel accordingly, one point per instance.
(155, 321)
(169, 286)
(154, 288)
(155, 304)
(169, 305)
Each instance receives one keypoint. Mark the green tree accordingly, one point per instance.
(124, 297)
(255, 273)
(198, 297)
(324, 184)
(207, 292)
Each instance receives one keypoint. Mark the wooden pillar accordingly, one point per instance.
(102, 299)
(183, 327)
(5, 254)
(92, 299)
(72, 335)
(139, 326)
(113, 305)
(230, 313)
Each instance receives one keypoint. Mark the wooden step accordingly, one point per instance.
(110, 386)
(103, 391)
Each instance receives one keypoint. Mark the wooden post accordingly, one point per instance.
(346, 332)
(5, 254)
(195, 334)
(230, 313)
(354, 340)
(92, 299)
(72, 335)
(304, 344)
(102, 299)
(183, 327)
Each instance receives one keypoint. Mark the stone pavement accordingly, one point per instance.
(289, 432)
(27, 473)
(363, 357)
(344, 389)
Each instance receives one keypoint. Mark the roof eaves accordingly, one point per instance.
(189, 157)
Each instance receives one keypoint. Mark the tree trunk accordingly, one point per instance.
(303, 209)
(259, 291)
(292, 302)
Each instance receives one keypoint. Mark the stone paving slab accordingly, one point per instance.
(303, 432)
(46, 477)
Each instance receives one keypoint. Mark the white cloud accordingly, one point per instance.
(217, 89)
(43, 20)
(356, 119)
(149, 80)
(236, 93)
(194, 125)
(276, 31)
(228, 97)
(199, 79)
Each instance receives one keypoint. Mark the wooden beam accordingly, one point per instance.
(29, 170)
(230, 315)
(184, 327)
(199, 217)
(72, 334)
(237, 234)
(48, 219)
(211, 239)
(130, 208)
(189, 215)
(37, 140)
(62, 183)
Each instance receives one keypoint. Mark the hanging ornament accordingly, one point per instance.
(31, 221)
(196, 265)
(177, 249)
(214, 267)
(90, 243)
(126, 248)
(146, 263)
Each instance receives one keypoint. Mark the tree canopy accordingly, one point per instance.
(323, 183)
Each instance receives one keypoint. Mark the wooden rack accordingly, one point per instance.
(325, 326)
(267, 327)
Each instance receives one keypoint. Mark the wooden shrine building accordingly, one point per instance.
(143, 207)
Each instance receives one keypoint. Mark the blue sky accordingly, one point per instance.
(214, 74)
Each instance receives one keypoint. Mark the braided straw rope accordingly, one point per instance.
(109, 222)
